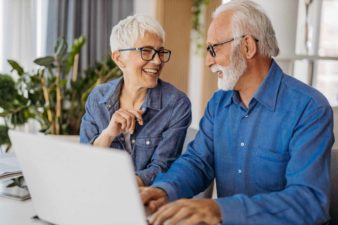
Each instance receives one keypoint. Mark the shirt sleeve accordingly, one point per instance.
(170, 146)
(305, 198)
(88, 129)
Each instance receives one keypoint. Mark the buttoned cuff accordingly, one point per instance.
(146, 176)
(168, 188)
(91, 141)
(231, 210)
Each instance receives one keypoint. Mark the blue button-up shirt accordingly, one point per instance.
(271, 161)
(156, 144)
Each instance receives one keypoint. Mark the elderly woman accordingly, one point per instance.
(138, 113)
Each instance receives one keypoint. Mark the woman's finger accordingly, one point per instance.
(129, 118)
(138, 115)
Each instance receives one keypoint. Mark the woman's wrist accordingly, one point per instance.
(104, 139)
(108, 135)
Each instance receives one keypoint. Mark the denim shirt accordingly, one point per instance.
(271, 160)
(156, 144)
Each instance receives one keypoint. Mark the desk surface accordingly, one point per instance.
(13, 212)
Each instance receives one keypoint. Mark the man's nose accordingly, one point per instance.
(209, 60)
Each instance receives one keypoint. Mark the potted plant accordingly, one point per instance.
(54, 95)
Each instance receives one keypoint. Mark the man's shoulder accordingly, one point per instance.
(221, 96)
(301, 91)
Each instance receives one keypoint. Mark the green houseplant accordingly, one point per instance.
(54, 95)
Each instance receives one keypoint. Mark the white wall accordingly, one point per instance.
(145, 7)
(195, 81)
(283, 15)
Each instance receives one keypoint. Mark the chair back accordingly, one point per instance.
(334, 187)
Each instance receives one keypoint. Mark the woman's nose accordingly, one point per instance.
(156, 59)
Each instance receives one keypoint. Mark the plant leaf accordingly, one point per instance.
(60, 47)
(16, 67)
(45, 61)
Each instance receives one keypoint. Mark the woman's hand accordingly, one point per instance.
(139, 181)
(124, 121)
(153, 198)
(121, 121)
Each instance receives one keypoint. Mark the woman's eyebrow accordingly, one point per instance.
(149, 46)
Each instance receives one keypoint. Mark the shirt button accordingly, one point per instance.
(108, 106)
(147, 142)
(133, 141)
(239, 171)
(246, 116)
(242, 144)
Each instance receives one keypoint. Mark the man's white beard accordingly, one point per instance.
(231, 73)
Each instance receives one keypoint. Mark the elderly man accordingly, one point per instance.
(265, 137)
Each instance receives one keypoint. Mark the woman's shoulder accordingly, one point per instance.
(170, 91)
(105, 89)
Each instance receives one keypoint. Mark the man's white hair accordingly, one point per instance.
(249, 18)
(130, 29)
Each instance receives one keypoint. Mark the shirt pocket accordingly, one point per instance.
(147, 142)
(144, 149)
(269, 170)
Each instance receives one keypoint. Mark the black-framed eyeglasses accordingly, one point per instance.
(211, 48)
(148, 53)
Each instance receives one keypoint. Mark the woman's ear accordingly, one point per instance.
(118, 59)
(249, 47)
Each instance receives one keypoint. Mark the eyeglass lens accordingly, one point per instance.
(211, 50)
(148, 54)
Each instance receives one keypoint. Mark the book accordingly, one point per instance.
(12, 184)
(9, 166)
(10, 189)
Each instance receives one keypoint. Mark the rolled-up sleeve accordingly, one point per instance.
(89, 130)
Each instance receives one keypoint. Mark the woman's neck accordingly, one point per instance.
(132, 97)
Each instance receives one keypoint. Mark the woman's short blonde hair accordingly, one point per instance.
(130, 29)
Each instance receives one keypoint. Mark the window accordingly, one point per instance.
(326, 76)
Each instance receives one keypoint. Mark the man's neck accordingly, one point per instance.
(132, 97)
(251, 80)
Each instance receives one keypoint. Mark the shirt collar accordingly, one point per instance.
(113, 94)
(268, 91)
(231, 99)
(152, 99)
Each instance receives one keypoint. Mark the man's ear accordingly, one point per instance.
(249, 47)
(118, 59)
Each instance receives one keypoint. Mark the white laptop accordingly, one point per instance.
(74, 184)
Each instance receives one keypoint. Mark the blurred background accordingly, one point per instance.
(306, 31)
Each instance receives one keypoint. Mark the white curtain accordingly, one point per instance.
(22, 38)
(18, 33)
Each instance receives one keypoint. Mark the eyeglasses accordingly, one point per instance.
(211, 48)
(148, 54)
